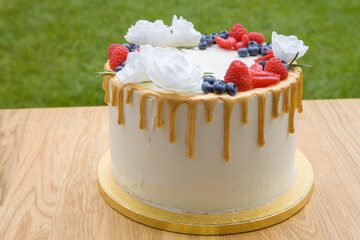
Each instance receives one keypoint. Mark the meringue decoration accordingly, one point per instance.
(145, 32)
(184, 33)
(286, 47)
(165, 67)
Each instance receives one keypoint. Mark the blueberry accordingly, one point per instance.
(202, 39)
(231, 88)
(224, 36)
(127, 46)
(243, 52)
(123, 64)
(209, 79)
(219, 87)
(202, 45)
(286, 65)
(269, 45)
(264, 50)
(118, 68)
(253, 50)
(207, 87)
(132, 45)
(253, 44)
(213, 35)
(262, 63)
(133, 48)
(208, 40)
(226, 33)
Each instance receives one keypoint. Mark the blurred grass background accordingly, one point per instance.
(49, 50)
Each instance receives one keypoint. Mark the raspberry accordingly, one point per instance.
(256, 67)
(263, 78)
(275, 65)
(238, 73)
(257, 37)
(244, 42)
(225, 43)
(118, 56)
(237, 31)
(112, 47)
(269, 52)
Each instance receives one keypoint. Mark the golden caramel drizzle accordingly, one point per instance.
(261, 118)
(192, 106)
(291, 88)
(275, 102)
(228, 107)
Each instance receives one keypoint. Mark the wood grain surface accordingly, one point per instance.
(48, 188)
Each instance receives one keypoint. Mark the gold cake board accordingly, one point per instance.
(209, 224)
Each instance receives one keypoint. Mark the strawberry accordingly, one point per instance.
(225, 43)
(244, 42)
(257, 37)
(268, 55)
(238, 73)
(237, 31)
(118, 56)
(275, 65)
(112, 47)
(263, 78)
(256, 67)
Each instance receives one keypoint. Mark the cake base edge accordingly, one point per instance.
(288, 204)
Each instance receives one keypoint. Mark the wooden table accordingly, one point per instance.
(48, 188)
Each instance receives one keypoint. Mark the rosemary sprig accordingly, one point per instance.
(108, 72)
(292, 65)
(186, 47)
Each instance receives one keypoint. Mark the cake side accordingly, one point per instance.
(153, 164)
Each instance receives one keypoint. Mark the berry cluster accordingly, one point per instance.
(212, 85)
(118, 54)
(253, 49)
(260, 74)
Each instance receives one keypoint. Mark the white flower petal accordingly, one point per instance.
(286, 47)
(184, 33)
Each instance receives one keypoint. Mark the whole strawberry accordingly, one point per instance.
(118, 56)
(238, 73)
(237, 31)
(275, 65)
(112, 47)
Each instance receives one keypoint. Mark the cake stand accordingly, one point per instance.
(209, 224)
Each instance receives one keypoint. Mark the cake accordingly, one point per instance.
(178, 144)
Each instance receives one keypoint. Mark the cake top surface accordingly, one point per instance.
(179, 59)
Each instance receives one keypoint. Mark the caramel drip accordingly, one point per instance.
(129, 93)
(159, 114)
(105, 86)
(300, 93)
(120, 100)
(142, 97)
(293, 102)
(244, 103)
(192, 106)
(228, 107)
(261, 118)
(113, 94)
(291, 88)
(286, 99)
(275, 102)
(209, 109)
(173, 106)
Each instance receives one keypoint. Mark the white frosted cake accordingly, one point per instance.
(181, 146)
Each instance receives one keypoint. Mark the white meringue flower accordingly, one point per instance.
(145, 32)
(286, 47)
(171, 71)
(184, 33)
(136, 66)
(167, 68)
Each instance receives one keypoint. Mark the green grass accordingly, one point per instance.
(50, 49)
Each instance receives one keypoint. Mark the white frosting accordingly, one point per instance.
(156, 171)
